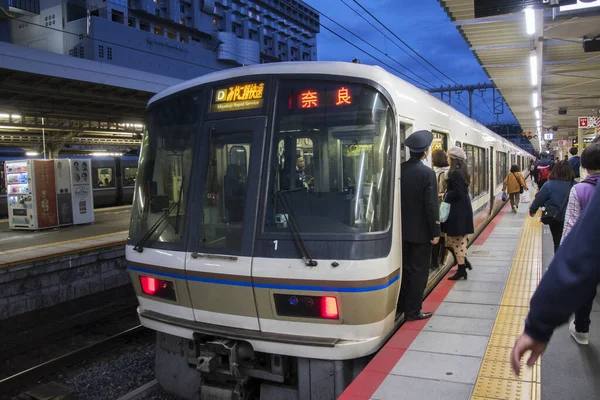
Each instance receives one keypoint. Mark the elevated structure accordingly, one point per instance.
(543, 62)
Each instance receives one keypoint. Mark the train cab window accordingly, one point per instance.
(102, 177)
(440, 142)
(129, 174)
(159, 207)
(225, 193)
(332, 159)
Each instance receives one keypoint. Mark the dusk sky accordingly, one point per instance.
(424, 26)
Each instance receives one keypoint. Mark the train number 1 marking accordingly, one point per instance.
(275, 242)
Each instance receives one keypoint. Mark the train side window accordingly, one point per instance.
(129, 174)
(225, 193)
(440, 141)
(102, 177)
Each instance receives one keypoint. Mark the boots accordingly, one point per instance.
(468, 264)
(461, 273)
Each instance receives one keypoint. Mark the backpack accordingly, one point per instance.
(543, 173)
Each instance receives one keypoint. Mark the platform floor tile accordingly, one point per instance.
(458, 296)
(410, 388)
(485, 287)
(480, 276)
(450, 343)
(436, 366)
(467, 310)
(463, 326)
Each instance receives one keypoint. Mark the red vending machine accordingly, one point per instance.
(31, 191)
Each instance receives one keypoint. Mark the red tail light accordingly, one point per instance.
(329, 308)
(157, 287)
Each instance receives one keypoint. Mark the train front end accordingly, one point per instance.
(260, 246)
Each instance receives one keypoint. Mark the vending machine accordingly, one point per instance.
(31, 194)
(81, 191)
(62, 169)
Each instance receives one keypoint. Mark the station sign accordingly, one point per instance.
(490, 8)
(549, 136)
(589, 122)
(245, 96)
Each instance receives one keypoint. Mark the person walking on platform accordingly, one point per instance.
(554, 196)
(460, 219)
(541, 171)
(575, 162)
(567, 286)
(420, 224)
(439, 161)
(514, 184)
(579, 198)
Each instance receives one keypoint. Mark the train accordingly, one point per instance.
(115, 187)
(264, 245)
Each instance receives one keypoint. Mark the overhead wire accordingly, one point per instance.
(392, 40)
(380, 51)
(404, 43)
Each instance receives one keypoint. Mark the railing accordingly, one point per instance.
(32, 6)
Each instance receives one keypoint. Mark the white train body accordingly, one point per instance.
(220, 262)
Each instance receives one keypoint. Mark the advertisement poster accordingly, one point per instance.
(45, 193)
(81, 191)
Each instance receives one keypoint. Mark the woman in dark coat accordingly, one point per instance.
(460, 219)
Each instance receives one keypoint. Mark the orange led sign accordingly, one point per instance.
(309, 99)
(238, 97)
(343, 96)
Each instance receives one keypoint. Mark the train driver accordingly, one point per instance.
(420, 224)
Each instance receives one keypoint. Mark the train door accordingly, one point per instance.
(492, 159)
(218, 261)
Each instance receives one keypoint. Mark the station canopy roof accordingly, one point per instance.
(567, 84)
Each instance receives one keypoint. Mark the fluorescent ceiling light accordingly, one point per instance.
(534, 68)
(535, 100)
(16, 116)
(537, 114)
(530, 20)
(32, 153)
(4, 115)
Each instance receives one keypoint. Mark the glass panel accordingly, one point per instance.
(129, 174)
(102, 177)
(164, 170)
(470, 159)
(2, 180)
(332, 159)
(225, 193)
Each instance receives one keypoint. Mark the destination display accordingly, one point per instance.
(245, 96)
(322, 97)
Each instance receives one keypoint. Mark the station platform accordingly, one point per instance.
(18, 246)
(462, 352)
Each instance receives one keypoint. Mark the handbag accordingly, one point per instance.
(504, 196)
(444, 211)
(520, 190)
(553, 214)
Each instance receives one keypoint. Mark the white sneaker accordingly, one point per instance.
(581, 338)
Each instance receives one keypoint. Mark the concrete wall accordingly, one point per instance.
(49, 282)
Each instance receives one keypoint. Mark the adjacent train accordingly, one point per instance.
(264, 242)
(113, 182)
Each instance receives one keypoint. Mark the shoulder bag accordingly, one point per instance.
(553, 214)
(521, 186)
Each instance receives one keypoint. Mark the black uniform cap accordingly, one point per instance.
(419, 141)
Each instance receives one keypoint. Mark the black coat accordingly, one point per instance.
(419, 202)
(460, 220)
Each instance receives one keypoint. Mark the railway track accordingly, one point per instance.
(26, 377)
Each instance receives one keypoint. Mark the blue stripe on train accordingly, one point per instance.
(269, 285)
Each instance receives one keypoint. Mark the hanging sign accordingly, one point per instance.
(549, 136)
(589, 122)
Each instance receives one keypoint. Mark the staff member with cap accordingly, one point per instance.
(420, 224)
(460, 219)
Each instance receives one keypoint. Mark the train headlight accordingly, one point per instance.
(302, 306)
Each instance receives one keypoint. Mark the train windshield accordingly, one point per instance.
(332, 159)
(164, 171)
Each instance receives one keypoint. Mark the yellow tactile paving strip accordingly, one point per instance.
(63, 248)
(496, 379)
